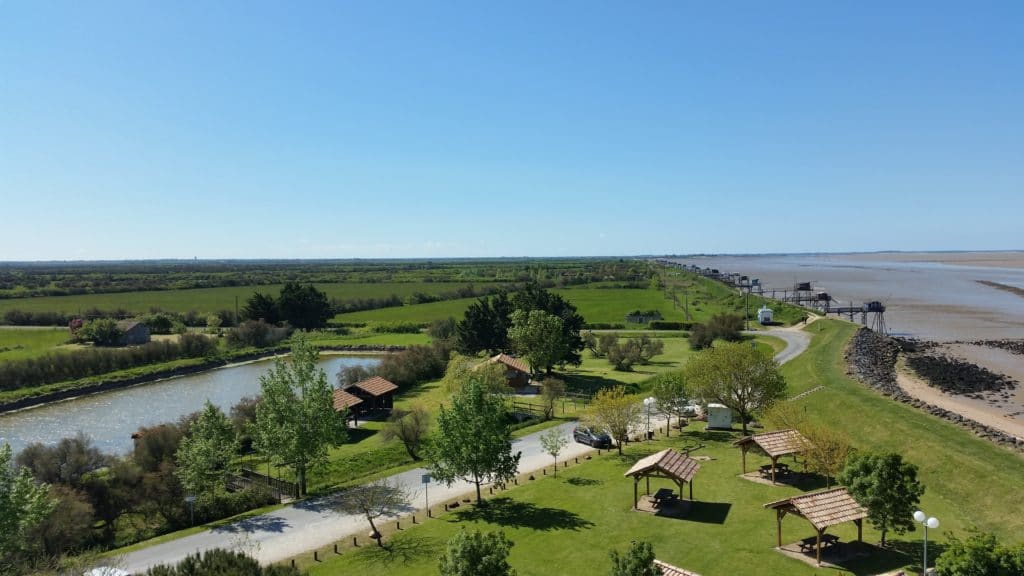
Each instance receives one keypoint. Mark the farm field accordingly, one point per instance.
(19, 343)
(210, 300)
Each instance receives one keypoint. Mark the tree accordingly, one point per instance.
(590, 342)
(64, 463)
(442, 329)
(349, 375)
(672, 396)
(23, 506)
(477, 554)
(604, 344)
(536, 336)
(885, 485)
(68, 526)
(978, 555)
(553, 441)
(738, 376)
(783, 415)
(373, 500)
(303, 306)
(113, 491)
(637, 561)
(102, 332)
(623, 355)
(463, 368)
(295, 421)
(613, 411)
(220, 562)
(473, 440)
(533, 297)
(205, 456)
(409, 427)
(825, 451)
(485, 326)
(551, 391)
(648, 348)
(263, 307)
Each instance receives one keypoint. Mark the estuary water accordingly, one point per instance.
(110, 418)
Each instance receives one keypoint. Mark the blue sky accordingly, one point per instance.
(391, 129)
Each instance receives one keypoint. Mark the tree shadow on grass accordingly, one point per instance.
(590, 383)
(505, 511)
(400, 550)
(709, 512)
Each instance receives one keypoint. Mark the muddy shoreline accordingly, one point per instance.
(872, 359)
(117, 384)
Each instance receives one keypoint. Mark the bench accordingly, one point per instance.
(808, 544)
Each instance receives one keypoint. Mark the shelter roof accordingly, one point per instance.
(823, 509)
(343, 400)
(668, 461)
(670, 570)
(376, 386)
(776, 443)
(126, 325)
(511, 362)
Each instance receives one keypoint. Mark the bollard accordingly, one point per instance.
(293, 562)
(490, 490)
(516, 480)
(577, 459)
(398, 524)
(413, 518)
(545, 470)
(445, 506)
(429, 513)
(335, 547)
(316, 556)
(354, 543)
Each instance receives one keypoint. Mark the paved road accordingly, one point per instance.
(308, 525)
(312, 524)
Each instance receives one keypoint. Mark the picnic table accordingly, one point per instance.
(827, 540)
(663, 495)
(780, 469)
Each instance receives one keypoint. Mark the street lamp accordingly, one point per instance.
(648, 402)
(190, 500)
(922, 518)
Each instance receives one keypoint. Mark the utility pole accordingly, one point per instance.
(746, 312)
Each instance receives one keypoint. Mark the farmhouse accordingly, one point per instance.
(133, 333)
(517, 373)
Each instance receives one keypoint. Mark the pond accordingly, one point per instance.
(110, 418)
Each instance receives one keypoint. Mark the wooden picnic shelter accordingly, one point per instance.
(670, 570)
(822, 509)
(667, 464)
(377, 393)
(342, 401)
(774, 444)
(517, 372)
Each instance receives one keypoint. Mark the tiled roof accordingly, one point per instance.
(376, 386)
(825, 508)
(670, 570)
(668, 461)
(511, 362)
(777, 443)
(343, 399)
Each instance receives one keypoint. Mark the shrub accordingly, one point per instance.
(219, 562)
(257, 334)
(398, 328)
(416, 363)
(669, 325)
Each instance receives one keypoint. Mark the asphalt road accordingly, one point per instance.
(312, 524)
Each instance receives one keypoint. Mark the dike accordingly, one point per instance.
(117, 384)
(871, 359)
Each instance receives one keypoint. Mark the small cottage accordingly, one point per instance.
(133, 333)
(517, 373)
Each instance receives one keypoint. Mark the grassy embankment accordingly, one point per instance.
(567, 525)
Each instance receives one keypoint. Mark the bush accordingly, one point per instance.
(727, 327)
(669, 325)
(101, 332)
(56, 367)
(219, 562)
(442, 329)
(214, 506)
(256, 334)
(416, 363)
(398, 328)
(351, 374)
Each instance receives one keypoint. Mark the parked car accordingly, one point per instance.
(591, 437)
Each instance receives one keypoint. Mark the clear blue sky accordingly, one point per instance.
(387, 129)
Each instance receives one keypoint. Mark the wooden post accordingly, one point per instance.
(860, 527)
(648, 478)
(773, 469)
(819, 547)
(335, 547)
(744, 450)
(636, 495)
(316, 556)
(778, 525)
(691, 491)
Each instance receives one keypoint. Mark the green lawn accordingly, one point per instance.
(417, 313)
(567, 525)
(209, 300)
(19, 343)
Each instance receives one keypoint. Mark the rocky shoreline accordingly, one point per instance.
(871, 359)
(108, 385)
(1011, 346)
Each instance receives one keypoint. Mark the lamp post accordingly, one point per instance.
(648, 402)
(190, 500)
(923, 519)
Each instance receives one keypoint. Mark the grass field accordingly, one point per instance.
(567, 525)
(18, 343)
(209, 300)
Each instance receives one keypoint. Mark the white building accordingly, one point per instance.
(765, 315)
